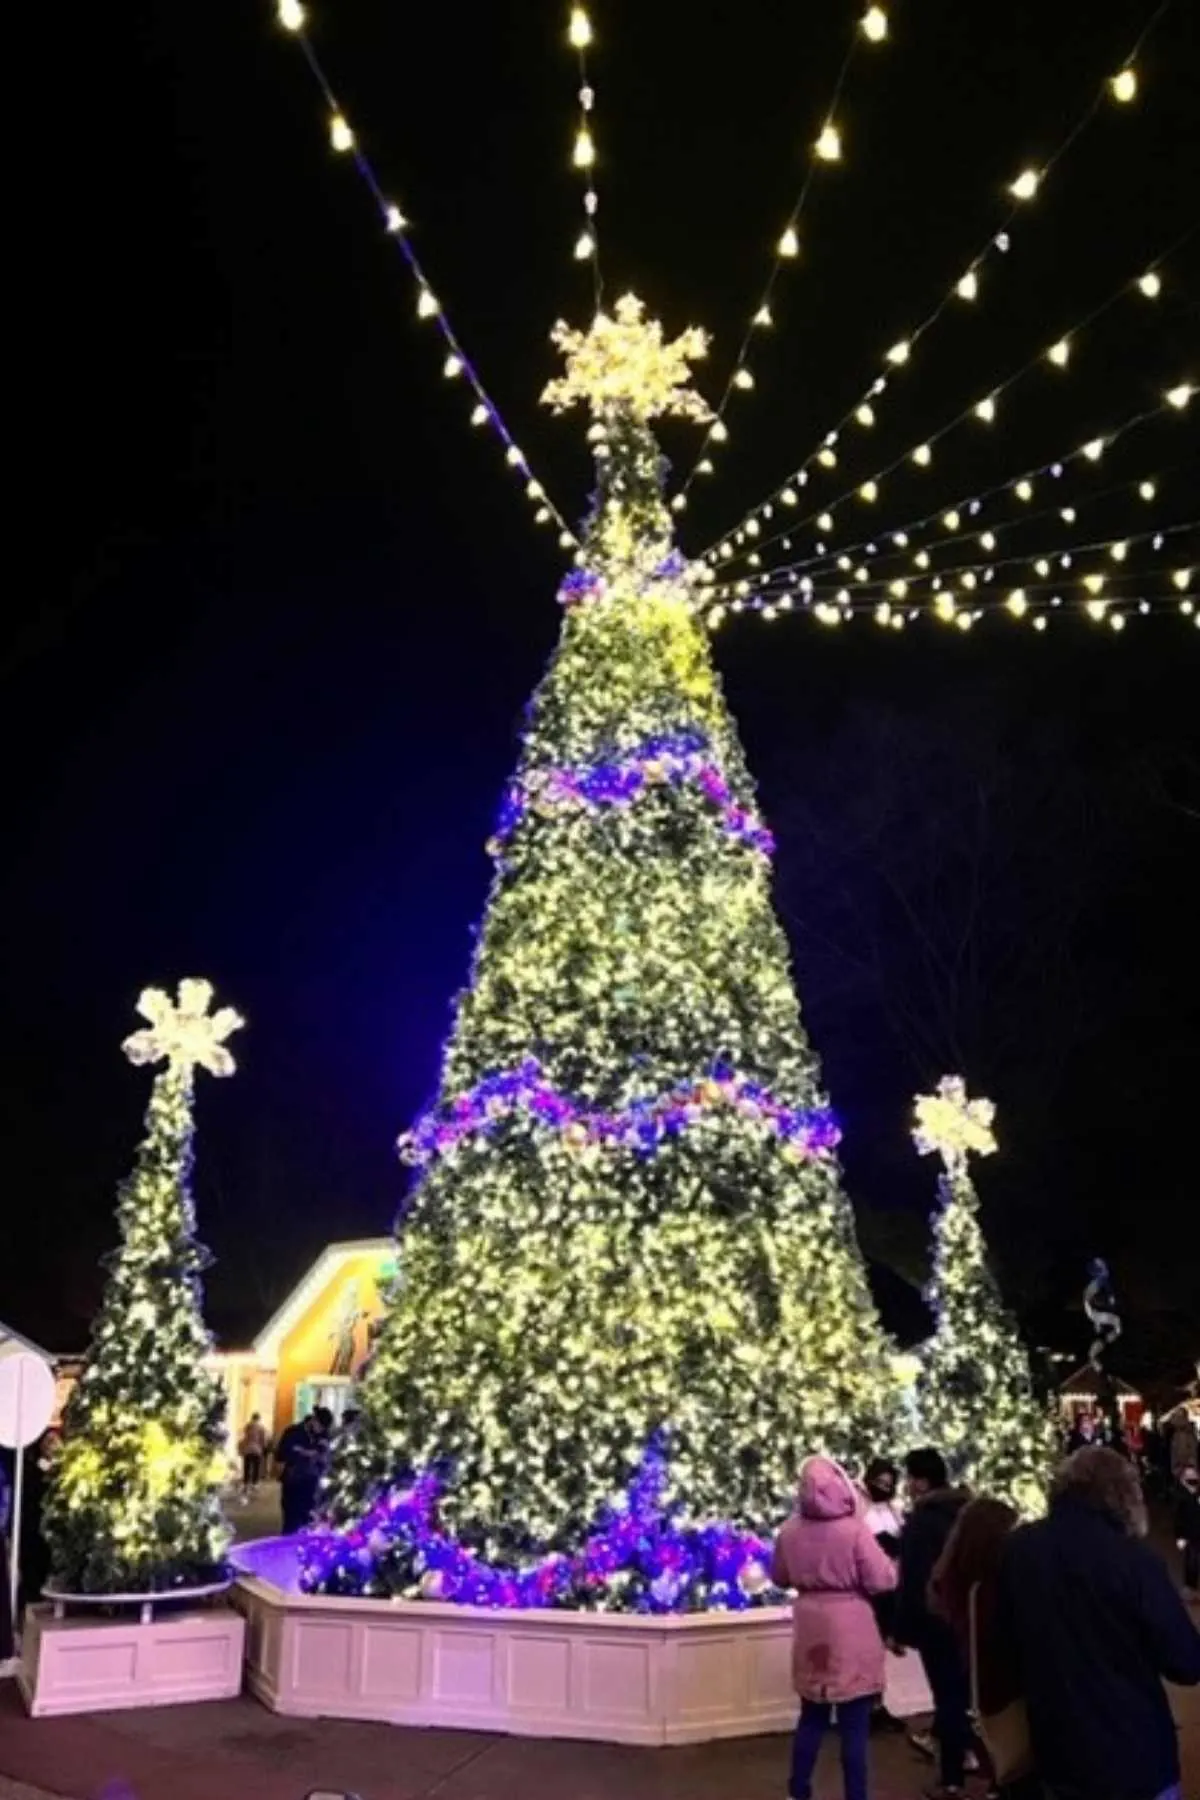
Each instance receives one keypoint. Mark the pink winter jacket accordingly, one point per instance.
(826, 1553)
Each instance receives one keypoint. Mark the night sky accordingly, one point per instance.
(264, 671)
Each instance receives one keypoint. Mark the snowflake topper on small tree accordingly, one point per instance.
(135, 1504)
(976, 1397)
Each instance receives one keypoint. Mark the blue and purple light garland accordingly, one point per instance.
(639, 1558)
(642, 1126)
(672, 761)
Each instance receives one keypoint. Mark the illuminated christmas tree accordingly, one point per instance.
(628, 1271)
(135, 1504)
(975, 1393)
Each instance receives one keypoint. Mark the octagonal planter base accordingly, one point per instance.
(155, 1656)
(613, 1677)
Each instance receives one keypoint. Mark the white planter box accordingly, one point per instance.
(617, 1678)
(85, 1664)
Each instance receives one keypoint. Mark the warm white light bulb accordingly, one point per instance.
(825, 522)
(952, 520)
(1123, 86)
(875, 24)
(762, 317)
(580, 32)
(1182, 578)
(427, 305)
(1017, 603)
(584, 153)
(988, 540)
(585, 245)
(452, 366)
(900, 352)
(1178, 397)
(869, 491)
(395, 220)
(968, 287)
(742, 378)
(340, 134)
(718, 431)
(1119, 551)
(1094, 450)
(986, 409)
(865, 414)
(1093, 583)
(291, 15)
(1026, 185)
(1150, 284)
(1024, 489)
(1146, 490)
(923, 455)
(827, 458)
(1059, 354)
(789, 243)
(828, 146)
(479, 414)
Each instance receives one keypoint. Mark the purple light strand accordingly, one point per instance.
(641, 1127)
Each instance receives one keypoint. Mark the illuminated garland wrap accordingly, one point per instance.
(625, 1215)
(640, 1127)
(620, 781)
(640, 1557)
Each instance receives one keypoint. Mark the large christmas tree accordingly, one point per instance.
(975, 1393)
(627, 1249)
(135, 1505)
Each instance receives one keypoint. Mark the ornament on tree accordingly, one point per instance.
(953, 1127)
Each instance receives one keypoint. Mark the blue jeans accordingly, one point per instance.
(854, 1729)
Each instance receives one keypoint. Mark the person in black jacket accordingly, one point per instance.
(935, 1506)
(1095, 1625)
(1187, 1526)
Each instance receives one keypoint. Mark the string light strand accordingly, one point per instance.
(457, 365)
(583, 154)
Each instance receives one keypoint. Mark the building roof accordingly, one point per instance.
(1086, 1384)
(333, 1258)
(9, 1334)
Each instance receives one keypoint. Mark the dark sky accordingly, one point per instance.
(259, 717)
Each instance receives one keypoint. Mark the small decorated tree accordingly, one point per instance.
(135, 1504)
(976, 1397)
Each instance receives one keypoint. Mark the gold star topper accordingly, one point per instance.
(623, 364)
(184, 1033)
(951, 1126)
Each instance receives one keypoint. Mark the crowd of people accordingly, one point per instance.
(1045, 1646)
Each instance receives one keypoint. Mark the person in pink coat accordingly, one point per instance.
(828, 1554)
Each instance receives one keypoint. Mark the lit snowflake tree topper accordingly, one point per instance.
(623, 364)
(183, 1033)
(953, 1127)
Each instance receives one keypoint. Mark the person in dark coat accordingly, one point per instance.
(935, 1507)
(1095, 1625)
(301, 1456)
(1187, 1526)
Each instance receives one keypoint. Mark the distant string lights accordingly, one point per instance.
(1022, 487)
(966, 286)
(871, 28)
(456, 365)
(583, 151)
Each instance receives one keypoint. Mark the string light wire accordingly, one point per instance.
(583, 155)
(1021, 191)
(457, 365)
(871, 28)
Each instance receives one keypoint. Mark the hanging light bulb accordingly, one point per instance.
(1150, 284)
(427, 305)
(479, 414)
(395, 220)
(291, 15)
(584, 153)
(1094, 450)
(1024, 489)
(986, 409)
(1123, 86)
(585, 246)
(1017, 603)
(580, 31)
(869, 491)
(968, 287)
(875, 24)
(923, 455)
(789, 243)
(865, 414)
(1059, 354)
(827, 458)
(828, 147)
(1146, 490)
(452, 366)
(718, 431)
(742, 378)
(340, 134)
(1119, 551)
(825, 522)
(1178, 397)
(952, 520)
(762, 317)
(1026, 185)
(900, 352)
